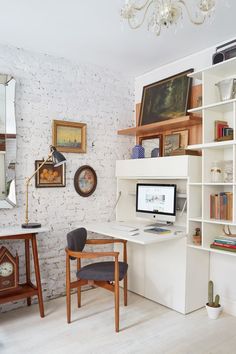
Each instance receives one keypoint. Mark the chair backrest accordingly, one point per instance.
(76, 240)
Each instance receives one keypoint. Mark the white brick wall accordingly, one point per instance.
(50, 88)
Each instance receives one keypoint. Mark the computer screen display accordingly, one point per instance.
(156, 198)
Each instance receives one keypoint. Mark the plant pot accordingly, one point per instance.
(197, 240)
(213, 312)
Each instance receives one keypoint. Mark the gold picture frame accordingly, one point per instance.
(171, 143)
(49, 175)
(166, 99)
(69, 136)
(184, 138)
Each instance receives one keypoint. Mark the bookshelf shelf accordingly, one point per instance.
(212, 250)
(196, 219)
(220, 70)
(218, 184)
(223, 106)
(214, 145)
(211, 184)
(219, 222)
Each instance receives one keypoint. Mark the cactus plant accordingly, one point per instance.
(217, 301)
(212, 303)
(210, 293)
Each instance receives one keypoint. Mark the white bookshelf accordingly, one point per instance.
(213, 109)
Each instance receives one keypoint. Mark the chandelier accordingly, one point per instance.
(164, 13)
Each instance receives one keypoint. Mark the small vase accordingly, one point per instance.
(213, 312)
(138, 152)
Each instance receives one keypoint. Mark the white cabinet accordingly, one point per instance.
(172, 166)
(169, 272)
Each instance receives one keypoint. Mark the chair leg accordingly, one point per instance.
(117, 315)
(79, 296)
(125, 290)
(68, 294)
(68, 306)
(79, 287)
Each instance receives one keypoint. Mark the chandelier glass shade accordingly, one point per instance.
(161, 14)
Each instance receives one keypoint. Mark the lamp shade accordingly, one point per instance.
(57, 158)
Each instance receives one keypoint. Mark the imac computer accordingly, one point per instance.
(156, 202)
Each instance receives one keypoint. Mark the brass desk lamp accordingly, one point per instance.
(57, 159)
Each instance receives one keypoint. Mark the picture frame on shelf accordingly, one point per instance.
(166, 99)
(150, 143)
(85, 181)
(184, 138)
(2, 142)
(69, 136)
(170, 144)
(50, 176)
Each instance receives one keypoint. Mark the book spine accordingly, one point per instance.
(224, 245)
(225, 242)
(222, 248)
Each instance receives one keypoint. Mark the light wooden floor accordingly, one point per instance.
(146, 327)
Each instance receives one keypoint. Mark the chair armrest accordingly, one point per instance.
(104, 241)
(91, 254)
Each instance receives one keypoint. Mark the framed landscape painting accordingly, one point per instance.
(165, 99)
(69, 136)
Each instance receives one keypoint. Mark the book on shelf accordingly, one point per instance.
(223, 131)
(225, 242)
(222, 248)
(221, 206)
(225, 245)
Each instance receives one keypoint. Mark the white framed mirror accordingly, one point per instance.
(7, 142)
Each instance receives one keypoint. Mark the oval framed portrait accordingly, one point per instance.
(85, 181)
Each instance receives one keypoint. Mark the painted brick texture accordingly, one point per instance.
(50, 88)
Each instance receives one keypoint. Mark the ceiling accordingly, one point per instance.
(91, 31)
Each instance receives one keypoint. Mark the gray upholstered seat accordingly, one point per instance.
(103, 271)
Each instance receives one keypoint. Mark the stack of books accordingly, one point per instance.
(221, 206)
(224, 243)
(223, 131)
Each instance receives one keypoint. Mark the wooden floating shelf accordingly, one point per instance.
(170, 124)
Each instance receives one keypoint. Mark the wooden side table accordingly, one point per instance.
(27, 289)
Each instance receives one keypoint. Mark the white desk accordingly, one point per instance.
(143, 238)
(157, 264)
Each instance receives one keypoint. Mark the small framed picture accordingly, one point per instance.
(184, 138)
(85, 181)
(50, 176)
(152, 145)
(171, 143)
(69, 136)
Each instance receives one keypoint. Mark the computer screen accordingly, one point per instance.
(156, 201)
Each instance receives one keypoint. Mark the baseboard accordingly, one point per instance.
(229, 306)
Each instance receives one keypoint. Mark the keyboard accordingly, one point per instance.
(124, 228)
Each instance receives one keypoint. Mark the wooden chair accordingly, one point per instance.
(103, 274)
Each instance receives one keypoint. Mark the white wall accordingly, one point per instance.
(50, 88)
(222, 267)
